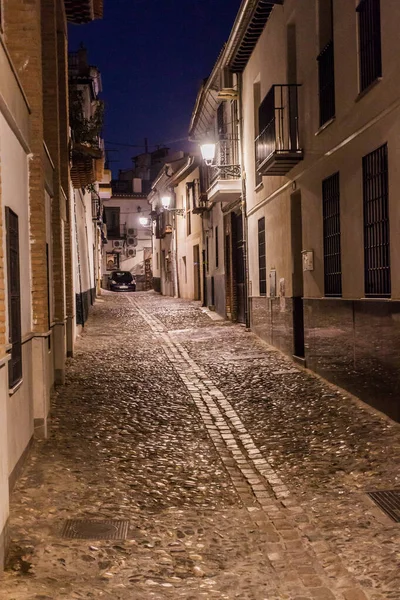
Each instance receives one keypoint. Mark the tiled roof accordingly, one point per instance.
(243, 40)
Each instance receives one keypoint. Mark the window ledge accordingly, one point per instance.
(325, 125)
(369, 88)
(16, 387)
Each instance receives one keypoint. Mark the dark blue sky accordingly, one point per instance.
(153, 55)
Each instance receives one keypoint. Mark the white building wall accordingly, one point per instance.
(14, 165)
(186, 242)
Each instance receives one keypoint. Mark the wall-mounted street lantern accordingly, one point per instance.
(166, 204)
(144, 221)
(226, 149)
(208, 152)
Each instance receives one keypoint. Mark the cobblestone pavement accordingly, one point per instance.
(241, 475)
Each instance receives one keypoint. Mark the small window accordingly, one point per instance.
(331, 233)
(262, 267)
(216, 248)
(376, 223)
(369, 30)
(14, 298)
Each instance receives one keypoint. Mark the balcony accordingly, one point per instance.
(277, 147)
(225, 182)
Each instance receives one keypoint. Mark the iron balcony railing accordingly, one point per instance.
(277, 147)
(226, 159)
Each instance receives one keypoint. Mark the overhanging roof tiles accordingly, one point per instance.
(248, 33)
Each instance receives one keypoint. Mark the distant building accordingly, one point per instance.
(178, 258)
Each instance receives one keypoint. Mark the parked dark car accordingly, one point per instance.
(121, 281)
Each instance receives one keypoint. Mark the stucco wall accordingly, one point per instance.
(15, 195)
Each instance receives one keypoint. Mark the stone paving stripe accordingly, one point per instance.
(227, 422)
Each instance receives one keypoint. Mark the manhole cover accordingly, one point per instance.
(95, 530)
(389, 502)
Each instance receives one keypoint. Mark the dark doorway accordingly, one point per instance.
(238, 265)
(196, 272)
(297, 275)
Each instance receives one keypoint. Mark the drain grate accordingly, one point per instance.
(389, 502)
(95, 530)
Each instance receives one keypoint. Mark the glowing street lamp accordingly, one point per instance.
(166, 201)
(208, 152)
(144, 221)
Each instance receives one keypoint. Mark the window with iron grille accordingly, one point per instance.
(376, 223)
(331, 233)
(14, 298)
(113, 222)
(262, 268)
(216, 248)
(369, 29)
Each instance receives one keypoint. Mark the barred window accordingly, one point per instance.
(376, 223)
(14, 298)
(369, 29)
(112, 216)
(262, 268)
(331, 233)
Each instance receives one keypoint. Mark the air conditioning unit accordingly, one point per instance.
(118, 244)
(131, 231)
(131, 252)
(131, 241)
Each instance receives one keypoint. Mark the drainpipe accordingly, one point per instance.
(244, 205)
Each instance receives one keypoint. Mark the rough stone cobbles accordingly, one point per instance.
(237, 481)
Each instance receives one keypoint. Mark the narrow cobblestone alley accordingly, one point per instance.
(241, 475)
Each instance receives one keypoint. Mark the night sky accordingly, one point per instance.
(153, 56)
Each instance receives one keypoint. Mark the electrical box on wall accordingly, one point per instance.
(308, 260)
(272, 283)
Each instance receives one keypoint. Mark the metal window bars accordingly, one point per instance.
(277, 146)
(331, 235)
(376, 223)
(370, 54)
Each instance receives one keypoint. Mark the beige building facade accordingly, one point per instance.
(320, 108)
